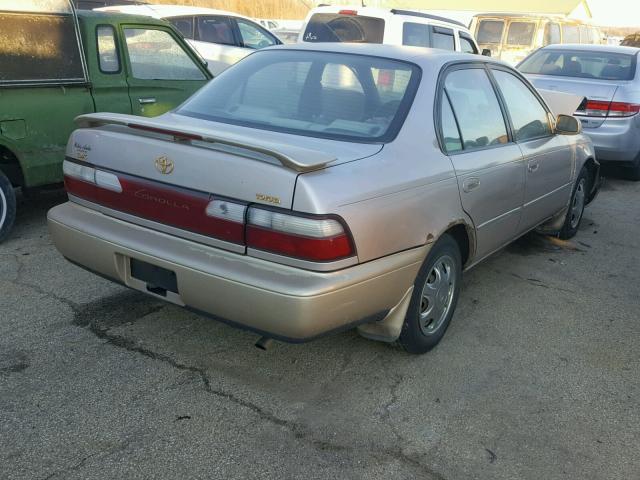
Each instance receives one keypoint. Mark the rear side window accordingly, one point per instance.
(38, 47)
(570, 33)
(214, 30)
(184, 26)
(108, 58)
(155, 55)
(521, 33)
(467, 45)
(581, 64)
(476, 108)
(333, 27)
(528, 116)
(415, 34)
(490, 31)
(443, 38)
(552, 34)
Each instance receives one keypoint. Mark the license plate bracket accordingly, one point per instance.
(159, 280)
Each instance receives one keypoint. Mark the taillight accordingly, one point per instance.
(303, 237)
(599, 108)
(348, 12)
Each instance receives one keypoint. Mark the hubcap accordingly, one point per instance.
(3, 208)
(577, 206)
(437, 295)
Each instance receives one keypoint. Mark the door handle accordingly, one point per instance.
(533, 167)
(470, 183)
(147, 100)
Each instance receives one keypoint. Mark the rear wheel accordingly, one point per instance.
(434, 298)
(576, 206)
(7, 206)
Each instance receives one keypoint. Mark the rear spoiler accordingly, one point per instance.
(295, 158)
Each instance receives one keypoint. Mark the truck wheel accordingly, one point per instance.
(434, 298)
(7, 206)
(576, 206)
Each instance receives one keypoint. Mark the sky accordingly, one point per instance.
(616, 13)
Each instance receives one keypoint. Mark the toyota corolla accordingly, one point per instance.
(315, 188)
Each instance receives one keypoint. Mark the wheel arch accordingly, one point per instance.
(11, 166)
(465, 237)
(593, 167)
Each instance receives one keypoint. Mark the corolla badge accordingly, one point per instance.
(164, 165)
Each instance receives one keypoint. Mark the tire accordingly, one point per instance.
(576, 206)
(431, 307)
(7, 206)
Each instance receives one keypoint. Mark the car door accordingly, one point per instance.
(548, 158)
(161, 72)
(217, 40)
(488, 164)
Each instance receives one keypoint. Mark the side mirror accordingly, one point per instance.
(568, 125)
(486, 52)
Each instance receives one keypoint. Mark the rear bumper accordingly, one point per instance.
(616, 140)
(275, 300)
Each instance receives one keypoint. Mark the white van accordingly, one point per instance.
(512, 37)
(388, 26)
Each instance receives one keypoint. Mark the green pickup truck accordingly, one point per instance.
(58, 63)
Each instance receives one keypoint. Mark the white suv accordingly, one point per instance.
(222, 38)
(389, 26)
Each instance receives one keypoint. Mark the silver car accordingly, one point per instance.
(315, 188)
(607, 76)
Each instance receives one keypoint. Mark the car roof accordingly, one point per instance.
(594, 48)
(419, 55)
(164, 11)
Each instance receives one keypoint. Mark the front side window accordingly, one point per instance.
(552, 34)
(490, 31)
(528, 116)
(335, 27)
(317, 94)
(521, 33)
(467, 45)
(443, 38)
(155, 55)
(415, 34)
(108, 59)
(253, 36)
(476, 108)
(570, 33)
(214, 30)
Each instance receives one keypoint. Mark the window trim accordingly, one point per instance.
(117, 47)
(526, 83)
(467, 65)
(174, 34)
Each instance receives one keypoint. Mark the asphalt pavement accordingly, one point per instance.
(538, 376)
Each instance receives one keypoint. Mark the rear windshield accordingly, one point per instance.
(317, 94)
(521, 33)
(490, 31)
(333, 27)
(597, 65)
